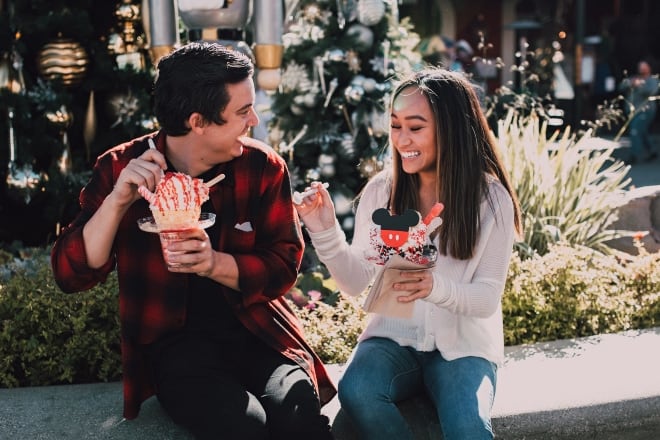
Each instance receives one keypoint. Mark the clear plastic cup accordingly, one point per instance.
(148, 224)
(166, 238)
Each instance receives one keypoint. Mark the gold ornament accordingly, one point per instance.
(89, 127)
(370, 166)
(63, 119)
(11, 72)
(128, 15)
(353, 61)
(312, 12)
(64, 60)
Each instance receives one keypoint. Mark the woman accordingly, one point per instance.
(443, 152)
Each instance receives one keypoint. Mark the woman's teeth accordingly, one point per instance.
(410, 154)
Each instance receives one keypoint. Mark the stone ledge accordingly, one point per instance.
(640, 212)
(603, 386)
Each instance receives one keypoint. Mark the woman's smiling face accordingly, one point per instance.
(413, 131)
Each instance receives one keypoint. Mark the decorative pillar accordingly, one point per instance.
(268, 48)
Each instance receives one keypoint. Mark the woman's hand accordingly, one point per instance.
(317, 211)
(415, 284)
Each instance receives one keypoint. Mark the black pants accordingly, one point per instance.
(235, 388)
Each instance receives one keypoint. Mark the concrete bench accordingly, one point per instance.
(605, 387)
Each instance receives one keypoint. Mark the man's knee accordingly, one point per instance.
(210, 418)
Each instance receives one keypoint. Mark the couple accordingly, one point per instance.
(214, 339)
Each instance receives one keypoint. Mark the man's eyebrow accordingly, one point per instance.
(245, 107)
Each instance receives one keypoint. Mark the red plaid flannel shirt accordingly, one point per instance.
(152, 300)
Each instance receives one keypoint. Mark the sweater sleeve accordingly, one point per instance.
(347, 262)
(476, 289)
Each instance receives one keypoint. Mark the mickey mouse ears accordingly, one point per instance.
(403, 222)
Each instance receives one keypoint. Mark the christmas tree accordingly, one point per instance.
(330, 111)
(75, 79)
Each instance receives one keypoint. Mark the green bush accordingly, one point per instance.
(574, 291)
(48, 337)
(333, 331)
(569, 186)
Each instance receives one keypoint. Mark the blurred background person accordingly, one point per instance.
(641, 90)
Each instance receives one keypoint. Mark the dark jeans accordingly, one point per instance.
(235, 388)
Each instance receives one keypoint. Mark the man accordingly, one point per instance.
(640, 89)
(212, 337)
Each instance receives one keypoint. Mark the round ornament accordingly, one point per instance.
(353, 94)
(370, 12)
(343, 205)
(379, 122)
(369, 85)
(362, 36)
(297, 110)
(348, 223)
(310, 99)
(63, 60)
(313, 174)
(335, 55)
(268, 79)
(327, 165)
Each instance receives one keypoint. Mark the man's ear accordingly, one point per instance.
(196, 121)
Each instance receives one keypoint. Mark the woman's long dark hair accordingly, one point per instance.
(467, 155)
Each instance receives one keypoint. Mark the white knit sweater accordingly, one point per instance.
(463, 314)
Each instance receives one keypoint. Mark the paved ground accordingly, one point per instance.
(643, 173)
(603, 387)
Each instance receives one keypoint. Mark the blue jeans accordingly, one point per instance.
(382, 373)
(640, 137)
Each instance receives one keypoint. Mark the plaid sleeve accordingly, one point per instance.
(271, 269)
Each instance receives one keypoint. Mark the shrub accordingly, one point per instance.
(48, 337)
(574, 291)
(333, 331)
(569, 187)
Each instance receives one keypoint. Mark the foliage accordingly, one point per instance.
(574, 291)
(329, 112)
(532, 90)
(333, 331)
(47, 337)
(569, 186)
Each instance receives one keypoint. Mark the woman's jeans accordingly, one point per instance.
(382, 373)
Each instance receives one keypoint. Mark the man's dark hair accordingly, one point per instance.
(193, 79)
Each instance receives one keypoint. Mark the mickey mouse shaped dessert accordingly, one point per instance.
(394, 228)
(405, 234)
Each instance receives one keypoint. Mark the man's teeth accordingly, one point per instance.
(410, 154)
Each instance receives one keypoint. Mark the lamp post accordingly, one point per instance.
(579, 44)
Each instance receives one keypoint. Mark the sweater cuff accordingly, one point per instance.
(327, 243)
(440, 292)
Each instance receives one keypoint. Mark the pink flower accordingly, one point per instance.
(298, 297)
(314, 297)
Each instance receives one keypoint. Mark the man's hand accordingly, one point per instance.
(191, 253)
(145, 170)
